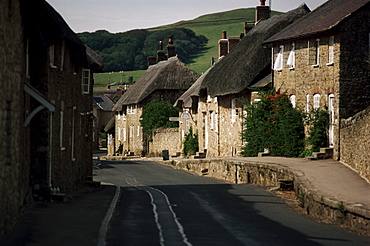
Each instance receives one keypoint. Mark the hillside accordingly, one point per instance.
(210, 26)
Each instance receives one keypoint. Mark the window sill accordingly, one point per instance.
(291, 68)
(330, 64)
(62, 148)
(53, 66)
(315, 66)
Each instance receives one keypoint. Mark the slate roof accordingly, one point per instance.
(248, 62)
(103, 102)
(323, 18)
(171, 74)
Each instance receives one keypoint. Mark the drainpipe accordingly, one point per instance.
(50, 148)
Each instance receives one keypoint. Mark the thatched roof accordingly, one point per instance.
(323, 18)
(186, 99)
(171, 74)
(248, 62)
(94, 60)
(44, 25)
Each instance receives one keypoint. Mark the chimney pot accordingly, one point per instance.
(262, 2)
(224, 36)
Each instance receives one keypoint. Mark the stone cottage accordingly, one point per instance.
(322, 62)
(215, 103)
(46, 111)
(166, 80)
(14, 164)
(102, 111)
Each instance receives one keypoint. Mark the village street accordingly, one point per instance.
(163, 206)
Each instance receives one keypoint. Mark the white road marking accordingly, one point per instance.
(156, 215)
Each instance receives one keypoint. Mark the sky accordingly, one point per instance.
(124, 15)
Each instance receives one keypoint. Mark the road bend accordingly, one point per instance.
(160, 205)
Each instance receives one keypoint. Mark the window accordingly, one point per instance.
(138, 131)
(61, 130)
(233, 110)
(331, 51)
(85, 82)
(314, 55)
(292, 100)
(131, 131)
(131, 109)
(62, 52)
(291, 58)
(212, 119)
(316, 101)
(52, 56)
(118, 116)
(209, 99)
(278, 65)
(124, 134)
(119, 134)
(307, 103)
(216, 122)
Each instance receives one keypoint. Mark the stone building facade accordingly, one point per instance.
(46, 123)
(14, 164)
(322, 62)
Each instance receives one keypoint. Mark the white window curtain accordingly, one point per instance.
(331, 50)
(278, 65)
(292, 100)
(291, 58)
(316, 101)
(233, 110)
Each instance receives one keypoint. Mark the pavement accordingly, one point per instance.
(83, 219)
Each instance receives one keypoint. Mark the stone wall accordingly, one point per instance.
(166, 139)
(14, 162)
(313, 203)
(355, 142)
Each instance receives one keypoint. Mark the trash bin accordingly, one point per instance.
(165, 155)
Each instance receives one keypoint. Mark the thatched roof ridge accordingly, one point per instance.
(44, 25)
(171, 74)
(186, 99)
(323, 18)
(248, 62)
(95, 61)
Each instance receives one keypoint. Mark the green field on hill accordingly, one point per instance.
(210, 25)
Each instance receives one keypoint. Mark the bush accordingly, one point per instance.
(274, 124)
(191, 145)
(319, 122)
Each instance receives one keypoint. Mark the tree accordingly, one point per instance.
(156, 114)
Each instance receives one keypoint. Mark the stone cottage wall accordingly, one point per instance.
(14, 164)
(166, 139)
(355, 142)
(355, 63)
(306, 79)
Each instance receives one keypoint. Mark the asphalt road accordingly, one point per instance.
(163, 206)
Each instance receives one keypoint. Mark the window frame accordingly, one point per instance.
(85, 81)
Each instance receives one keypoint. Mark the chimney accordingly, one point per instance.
(262, 11)
(171, 51)
(152, 60)
(247, 27)
(233, 41)
(161, 56)
(118, 92)
(223, 45)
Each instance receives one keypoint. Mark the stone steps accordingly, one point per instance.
(325, 153)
